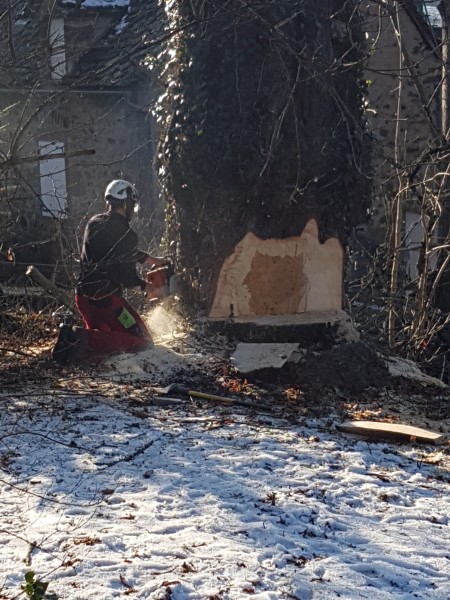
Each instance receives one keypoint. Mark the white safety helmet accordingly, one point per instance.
(119, 189)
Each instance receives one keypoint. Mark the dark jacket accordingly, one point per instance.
(109, 256)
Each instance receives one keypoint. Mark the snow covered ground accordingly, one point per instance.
(104, 495)
(106, 498)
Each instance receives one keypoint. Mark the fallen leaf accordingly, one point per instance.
(125, 583)
(433, 459)
(88, 541)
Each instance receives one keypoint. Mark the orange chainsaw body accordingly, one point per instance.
(158, 280)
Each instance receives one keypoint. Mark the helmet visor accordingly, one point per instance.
(133, 196)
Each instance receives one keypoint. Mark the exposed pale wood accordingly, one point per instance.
(248, 358)
(280, 276)
(391, 430)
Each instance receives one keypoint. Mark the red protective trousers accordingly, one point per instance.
(109, 328)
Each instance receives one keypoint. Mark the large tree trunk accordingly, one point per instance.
(263, 157)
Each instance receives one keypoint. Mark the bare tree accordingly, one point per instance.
(408, 113)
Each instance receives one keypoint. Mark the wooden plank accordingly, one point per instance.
(391, 431)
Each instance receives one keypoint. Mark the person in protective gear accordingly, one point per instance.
(108, 265)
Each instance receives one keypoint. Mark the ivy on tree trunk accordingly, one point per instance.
(262, 126)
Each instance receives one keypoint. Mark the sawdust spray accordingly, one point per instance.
(163, 323)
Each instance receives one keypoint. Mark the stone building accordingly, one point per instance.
(403, 74)
(74, 105)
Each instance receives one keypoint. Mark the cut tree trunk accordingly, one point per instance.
(263, 156)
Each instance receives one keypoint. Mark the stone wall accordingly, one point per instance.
(111, 124)
(395, 104)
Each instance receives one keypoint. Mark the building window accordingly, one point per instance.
(431, 12)
(57, 48)
(414, 239)
(53, 180)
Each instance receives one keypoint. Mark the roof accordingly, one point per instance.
(105, 42)
(120, 52)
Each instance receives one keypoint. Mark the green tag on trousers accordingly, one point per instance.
(126, 319)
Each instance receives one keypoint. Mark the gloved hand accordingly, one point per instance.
(150, 289)
(156, 290)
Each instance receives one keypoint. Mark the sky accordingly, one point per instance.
(104, 495)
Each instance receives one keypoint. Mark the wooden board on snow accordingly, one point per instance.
(391, 431)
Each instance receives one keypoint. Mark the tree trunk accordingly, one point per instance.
(263, 158)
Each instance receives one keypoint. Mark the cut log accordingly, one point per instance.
(395, 431)
(60, 295)
(264, 185)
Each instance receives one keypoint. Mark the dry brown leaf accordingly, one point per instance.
(88, 541)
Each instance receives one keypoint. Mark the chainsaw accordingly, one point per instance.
(161, 281)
